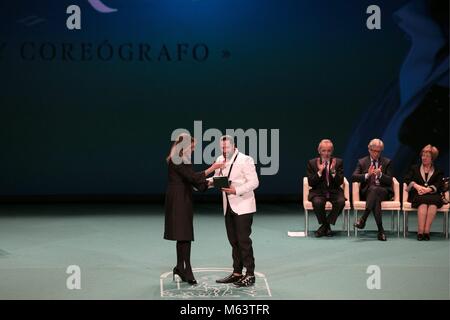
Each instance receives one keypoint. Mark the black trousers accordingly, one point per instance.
(374, 195)
(338, 203)
(239, 228)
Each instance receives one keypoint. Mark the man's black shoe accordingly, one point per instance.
(381, 236)
(246, 281)
(321, 231)
(361, 224)
(232, 278)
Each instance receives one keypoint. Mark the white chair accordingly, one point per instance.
(407, 207)
(391, 205)
(307, 205)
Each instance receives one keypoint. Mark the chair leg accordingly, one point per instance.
(343, 221)
(407, 224)
(306, 222)
(446, 225)
(444, 222)
(404, 224)
(348, 223)
(445, 231)
(392, 221)
(398, 223)
(356, 221)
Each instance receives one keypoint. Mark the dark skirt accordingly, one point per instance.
(428, 199)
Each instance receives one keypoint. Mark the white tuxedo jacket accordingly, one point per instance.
(244, 179)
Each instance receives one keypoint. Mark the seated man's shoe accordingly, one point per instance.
(318, 234)
(381, 236)
(419, 237)
(232, 278)
(361, 224)
(246, 281)
(321, 231)
(329, 232)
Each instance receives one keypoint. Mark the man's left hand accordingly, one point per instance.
(378, 171)
(230, 190)
(333, 164)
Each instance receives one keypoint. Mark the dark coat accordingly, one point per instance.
(386, 178)
(179, 213)
(319, 185)
(435, 182)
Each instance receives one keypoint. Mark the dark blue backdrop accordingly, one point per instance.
(77, 120)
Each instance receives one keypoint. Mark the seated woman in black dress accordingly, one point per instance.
(424, 182)
(178, 204)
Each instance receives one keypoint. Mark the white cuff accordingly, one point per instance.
(210, 180)
(410, 186)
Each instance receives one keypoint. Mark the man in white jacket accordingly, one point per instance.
(239, 205)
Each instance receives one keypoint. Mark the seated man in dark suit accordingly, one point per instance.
(375, 175)
(325, 177)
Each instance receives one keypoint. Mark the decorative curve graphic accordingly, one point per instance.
(100, 6)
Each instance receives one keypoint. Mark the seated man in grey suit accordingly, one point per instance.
(375, 175)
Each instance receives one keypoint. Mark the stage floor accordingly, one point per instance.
(122, 255)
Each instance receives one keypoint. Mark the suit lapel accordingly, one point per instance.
(367, 163)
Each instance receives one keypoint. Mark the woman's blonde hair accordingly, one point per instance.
(432, 150)
(182, 142)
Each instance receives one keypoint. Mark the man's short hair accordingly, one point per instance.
(228, 138)
(376, 143)
(325, 141)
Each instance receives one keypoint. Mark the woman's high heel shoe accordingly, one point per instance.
(190, 278)
(177, 272)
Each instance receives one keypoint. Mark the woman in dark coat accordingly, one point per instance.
(424, 185)
(178, 204)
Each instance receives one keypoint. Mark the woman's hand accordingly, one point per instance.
(425, 190)
(215, 166)
(421, 189)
